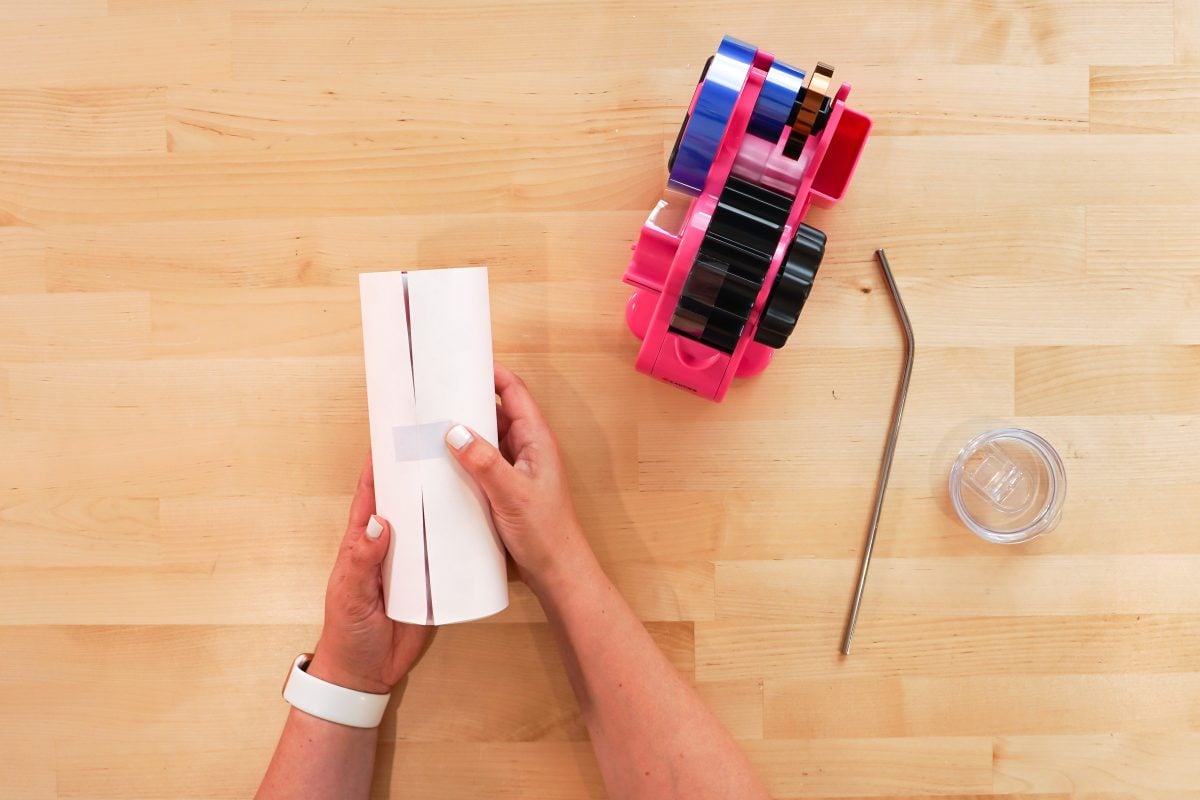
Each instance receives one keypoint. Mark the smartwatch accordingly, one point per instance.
(331, 702)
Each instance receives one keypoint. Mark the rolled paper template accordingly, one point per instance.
(427, 344)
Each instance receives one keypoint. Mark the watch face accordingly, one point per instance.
(300, 661)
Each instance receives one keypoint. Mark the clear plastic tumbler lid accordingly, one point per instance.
(1008, 485)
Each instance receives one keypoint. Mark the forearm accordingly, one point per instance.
(316, 759)
(653, 735)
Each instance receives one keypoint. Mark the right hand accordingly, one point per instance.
(525, 483)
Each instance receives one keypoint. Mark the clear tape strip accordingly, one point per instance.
(421, 442)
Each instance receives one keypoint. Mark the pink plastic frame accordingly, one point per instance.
(662, 258)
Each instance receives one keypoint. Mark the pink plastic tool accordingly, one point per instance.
(725, 263)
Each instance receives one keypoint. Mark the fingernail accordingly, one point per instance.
(458, 437)
(374, 528)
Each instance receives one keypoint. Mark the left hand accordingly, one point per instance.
(361, 647)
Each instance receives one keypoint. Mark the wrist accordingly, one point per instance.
(572, 563)
(316, 727)
(331, 671)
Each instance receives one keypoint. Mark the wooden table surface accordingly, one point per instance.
(188, 190)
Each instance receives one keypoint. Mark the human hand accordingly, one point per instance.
(525, 483)
(361, 647)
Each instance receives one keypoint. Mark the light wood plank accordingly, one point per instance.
(999, 705)
(739, 705)
(816, 767)
(891, 645)
(1006, 585)
(165, 394)
(561, 771)
(271, 42)
(1145, 100)
(435, 108)
(74, 50)
(1187, 32)
(1108, 380)
(951, 173)
(292, 322)
(976, 310)
(28, 773)
(1157, 240)
(101, 121)
(493, 174)
(927, 99)
(1145, 764)
(63, 10)
(62, 528)
(22, 260)
(331, 251)
(36, 328)
(989, 240)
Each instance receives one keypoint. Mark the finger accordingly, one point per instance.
(518, 403)
(363, 504)
(499, 481)
(362, 560)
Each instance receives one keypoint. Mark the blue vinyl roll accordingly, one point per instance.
(775, 102)
(714, 106)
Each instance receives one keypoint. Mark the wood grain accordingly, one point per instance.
(189, 189)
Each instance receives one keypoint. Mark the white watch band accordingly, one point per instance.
(331, 702)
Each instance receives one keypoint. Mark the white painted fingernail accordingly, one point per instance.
(458, 437)
(374, 528)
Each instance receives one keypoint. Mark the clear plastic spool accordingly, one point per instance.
(1008, 486)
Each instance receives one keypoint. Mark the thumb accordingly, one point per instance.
(367, 553)
(478, 457)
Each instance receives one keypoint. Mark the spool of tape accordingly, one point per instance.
(774, 105)
(705, 127)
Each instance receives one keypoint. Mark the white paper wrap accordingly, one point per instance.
(427, 343)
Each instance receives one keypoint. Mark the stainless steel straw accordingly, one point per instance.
(886, 468)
